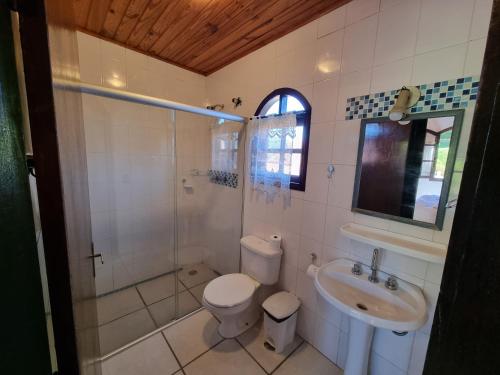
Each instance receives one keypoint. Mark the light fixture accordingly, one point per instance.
(408, 96)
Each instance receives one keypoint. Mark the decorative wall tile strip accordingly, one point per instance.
(439, 96)
(223, 178)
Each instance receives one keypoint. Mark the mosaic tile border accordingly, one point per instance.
(223, 178)
(438, 96)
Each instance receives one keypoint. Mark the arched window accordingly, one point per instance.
(286, 100)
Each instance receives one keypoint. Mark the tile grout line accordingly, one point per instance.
(250, 355)
(133, 285)
(120, 317)
(192, 294)
(145, 337)
(149, 312)
(173, 353)
(205, 352)
(289, 355)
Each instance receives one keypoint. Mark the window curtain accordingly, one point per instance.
(224, 145)
(271, 156)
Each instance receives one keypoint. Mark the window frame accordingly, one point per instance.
(303, 119)
(433, 162)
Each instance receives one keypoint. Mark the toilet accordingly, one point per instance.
(232, 298)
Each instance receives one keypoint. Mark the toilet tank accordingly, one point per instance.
(260, 260)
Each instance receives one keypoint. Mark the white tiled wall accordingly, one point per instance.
(364, 47)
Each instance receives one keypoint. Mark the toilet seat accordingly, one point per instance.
(229, 290)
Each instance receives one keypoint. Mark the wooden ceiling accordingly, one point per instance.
(199, 35)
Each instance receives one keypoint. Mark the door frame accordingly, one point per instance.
(34, 24)
(464, 337)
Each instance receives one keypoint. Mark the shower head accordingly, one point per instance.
(216, 107)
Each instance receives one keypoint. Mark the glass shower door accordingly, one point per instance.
(131, 169)
(209, 203)
(166, 207)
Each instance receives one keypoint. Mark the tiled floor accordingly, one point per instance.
(131, 313)
(193, 347)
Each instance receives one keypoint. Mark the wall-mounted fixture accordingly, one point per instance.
(408, 96)
(237, 102)
(216, 107)
(330, 169)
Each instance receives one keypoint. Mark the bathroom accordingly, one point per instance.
(179, 216)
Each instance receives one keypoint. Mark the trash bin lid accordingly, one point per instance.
(281, 305)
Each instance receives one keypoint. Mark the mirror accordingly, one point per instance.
(403, 172)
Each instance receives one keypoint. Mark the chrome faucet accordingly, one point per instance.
(373, 277)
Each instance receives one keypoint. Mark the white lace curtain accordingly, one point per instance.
(225, 145)
(271, 157)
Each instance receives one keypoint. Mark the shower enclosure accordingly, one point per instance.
(166, 192)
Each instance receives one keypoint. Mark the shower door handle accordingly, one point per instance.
(93, 256)
(98, 255)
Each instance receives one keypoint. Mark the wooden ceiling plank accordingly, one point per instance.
(206, 42)
(278, 9)
(252, 42)
(132, 16)
(182, 21)
(81, 9)
(206, 27)
(166, 19)
(200, 35)
(97, 14)
(114, 17)
(151, 14)
(263, 35)
(259, 43)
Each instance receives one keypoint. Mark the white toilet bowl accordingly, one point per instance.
(231, 298)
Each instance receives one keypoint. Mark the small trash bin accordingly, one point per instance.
(280, 319)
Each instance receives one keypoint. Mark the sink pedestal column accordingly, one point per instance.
(360, 342)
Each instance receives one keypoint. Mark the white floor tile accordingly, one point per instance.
(118, 304)
(305, 361)
(124, 330)
(253, 341)
(157, 289)
(150, 357)
(227, 358)
(193, 336)
(164, 311)
(197, 291)
(196, 274)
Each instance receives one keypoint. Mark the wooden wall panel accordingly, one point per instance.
(199, 35)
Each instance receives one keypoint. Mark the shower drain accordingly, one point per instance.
(192, 272)
(361, 306)
(269, 346)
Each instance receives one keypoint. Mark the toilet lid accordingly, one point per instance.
(229, 290)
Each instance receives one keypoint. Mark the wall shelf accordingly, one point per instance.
(413, 247)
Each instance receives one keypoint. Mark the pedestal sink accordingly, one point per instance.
(369, 305)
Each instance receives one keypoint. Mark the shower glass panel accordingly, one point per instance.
(166, 204)
(209, 202)
(131, 172)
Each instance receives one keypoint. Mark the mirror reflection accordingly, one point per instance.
(404, 170)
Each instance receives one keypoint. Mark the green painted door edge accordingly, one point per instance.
(24, 342)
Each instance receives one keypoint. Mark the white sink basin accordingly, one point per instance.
(369, 305)
(401, 310)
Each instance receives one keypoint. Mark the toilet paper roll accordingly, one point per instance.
(275, 241)
(312, 270)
